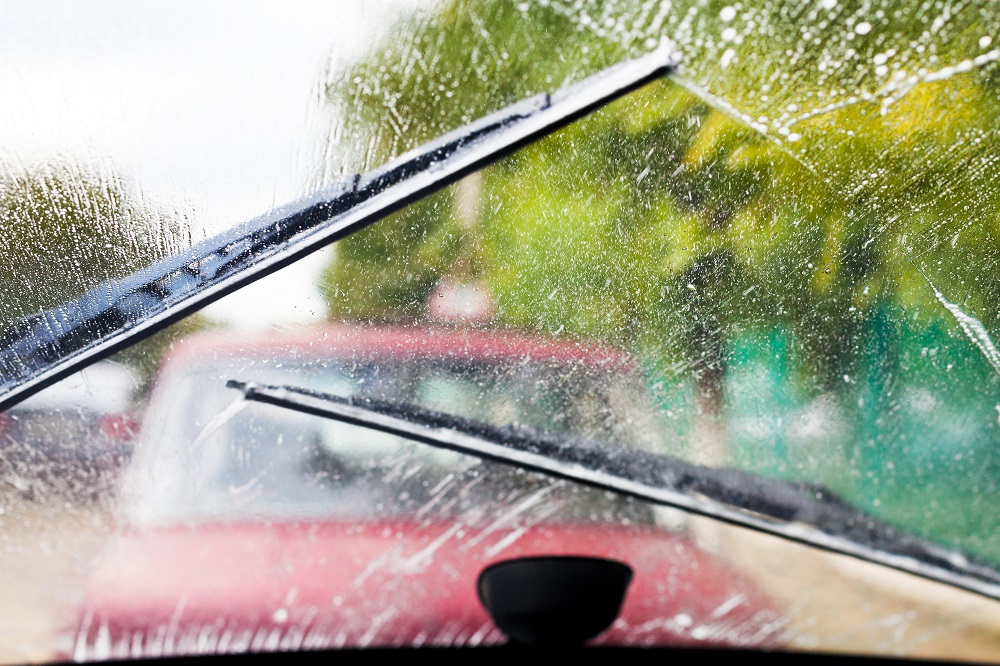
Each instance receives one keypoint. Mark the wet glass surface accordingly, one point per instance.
(781, 259)
(793, 233)
(207, 453)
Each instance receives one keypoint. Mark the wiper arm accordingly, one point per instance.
(805, 513)
(42, 349)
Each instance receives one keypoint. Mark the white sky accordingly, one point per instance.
(210, 108)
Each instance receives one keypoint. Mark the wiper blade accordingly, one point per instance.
(41, 349)
(806, 513)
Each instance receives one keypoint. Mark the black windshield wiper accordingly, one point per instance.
(801, 512)
(41, 349)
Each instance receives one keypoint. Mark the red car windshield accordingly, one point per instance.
(205, 453)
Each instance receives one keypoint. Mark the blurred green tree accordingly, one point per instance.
(781, 181)
(64, 229)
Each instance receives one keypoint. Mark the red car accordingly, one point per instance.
(344, 536)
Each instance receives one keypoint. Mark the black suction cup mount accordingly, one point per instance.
(554, 601)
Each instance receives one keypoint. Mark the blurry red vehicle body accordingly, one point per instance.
(236, 580)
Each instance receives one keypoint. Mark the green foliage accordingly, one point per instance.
(670, 189)
(402, 256)
(63, 231)
(784, 230)
(418, 86)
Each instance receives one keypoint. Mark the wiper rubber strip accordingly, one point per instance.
(43, 348)
(805, 513)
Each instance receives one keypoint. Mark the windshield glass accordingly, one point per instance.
(256, 460)
(779, 259)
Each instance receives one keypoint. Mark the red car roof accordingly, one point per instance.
(401, 342)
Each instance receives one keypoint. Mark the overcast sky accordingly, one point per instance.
(209, 108)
